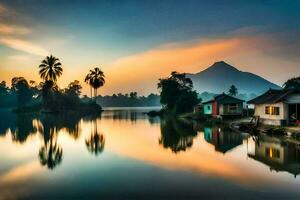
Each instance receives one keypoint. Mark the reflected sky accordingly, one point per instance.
(135, 157)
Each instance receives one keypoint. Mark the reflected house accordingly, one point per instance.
(223, 140)
(278, 107)
(223, 105)
(277, 154)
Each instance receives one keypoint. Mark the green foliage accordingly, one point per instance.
(176, 93)
(233, 91)
(293, 83)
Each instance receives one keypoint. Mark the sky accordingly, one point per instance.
(137, 42)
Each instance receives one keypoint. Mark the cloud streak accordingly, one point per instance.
(10, 35)
(25, 46)
(13, 29)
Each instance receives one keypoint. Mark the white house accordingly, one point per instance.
(278, 107)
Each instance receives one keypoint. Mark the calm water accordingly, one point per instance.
(123, 154)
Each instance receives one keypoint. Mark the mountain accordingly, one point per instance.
(220, 76)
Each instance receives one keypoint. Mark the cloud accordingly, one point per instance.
(13, 29)
(25, 46)
(11, 34)
(147, 67)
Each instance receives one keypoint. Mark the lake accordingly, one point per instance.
(124, 154)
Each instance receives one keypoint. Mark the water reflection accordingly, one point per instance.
(176, 134)
(280, 154)
(50, 154)
(95, 142)
(224, 139)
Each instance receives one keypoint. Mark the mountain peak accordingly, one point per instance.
(221, 65)
(220, 76)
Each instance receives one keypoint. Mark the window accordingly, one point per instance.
(208, 108)
(232, 107)
(272, 110)
(272, 153)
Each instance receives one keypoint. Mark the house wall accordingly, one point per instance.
(272, 119)
(224, 109)
(207, 108)
(215, 109)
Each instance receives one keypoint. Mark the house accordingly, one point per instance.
(223, 105)
(278, 107)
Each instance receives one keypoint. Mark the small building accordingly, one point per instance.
(223, 105)
(278, 107)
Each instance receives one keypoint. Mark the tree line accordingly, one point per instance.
(47, 95)
(128, 100)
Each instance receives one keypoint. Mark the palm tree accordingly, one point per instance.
(50, 69)
(95, 79)
(233, 91)
(88, 80)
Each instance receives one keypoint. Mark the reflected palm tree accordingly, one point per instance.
(50, 154)
(96, 141)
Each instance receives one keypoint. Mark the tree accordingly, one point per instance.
(50, 69)
(96, 79)
(20, 86)
(233, 91)
(74, 88)
(88, 80)
(3, 88)
(133, 95)
(293, 83)
(174, 91)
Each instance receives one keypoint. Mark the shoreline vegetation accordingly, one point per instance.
(46, 97)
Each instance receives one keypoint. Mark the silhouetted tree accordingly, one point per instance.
(88, 79)
(174, 91)
(95, 79)
(233, 91)
(20, 86)
(50, 69)
(293, 83)
(3, 88)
